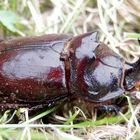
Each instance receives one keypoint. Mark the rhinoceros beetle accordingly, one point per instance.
(48, 69)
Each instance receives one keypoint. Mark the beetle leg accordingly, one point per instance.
(139, 41)
(109, 108)
(37, 107)
(4, 106)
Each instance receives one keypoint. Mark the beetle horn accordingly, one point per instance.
(94, 36)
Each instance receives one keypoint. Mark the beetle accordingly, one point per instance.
(49, 69)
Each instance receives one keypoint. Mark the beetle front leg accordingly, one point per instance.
(109, 108)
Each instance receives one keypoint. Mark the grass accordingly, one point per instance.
(118, 24)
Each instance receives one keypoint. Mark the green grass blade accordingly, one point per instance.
(132, 35)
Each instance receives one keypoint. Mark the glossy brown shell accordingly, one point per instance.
(96, 71)
(31, 71)
(51, 68)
